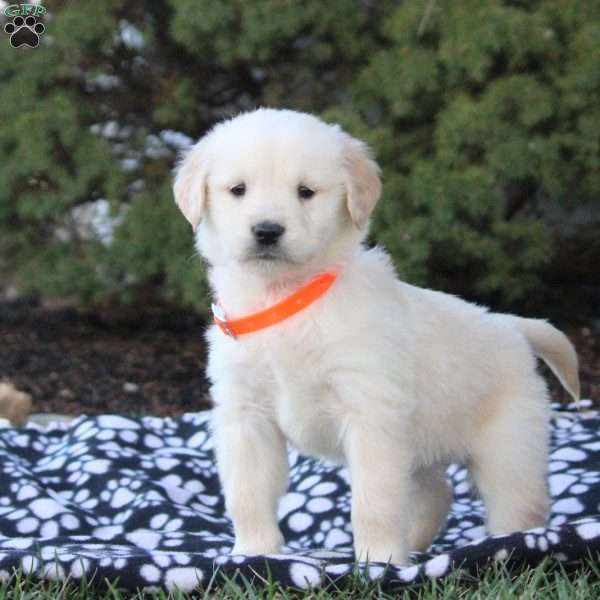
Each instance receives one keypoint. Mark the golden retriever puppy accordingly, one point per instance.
(317, 343)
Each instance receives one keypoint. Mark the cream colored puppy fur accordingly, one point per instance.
(392, 380)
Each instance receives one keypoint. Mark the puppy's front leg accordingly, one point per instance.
(253, 467)
(380, 475)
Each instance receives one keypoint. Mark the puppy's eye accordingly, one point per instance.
(305, 192)
(238, 190)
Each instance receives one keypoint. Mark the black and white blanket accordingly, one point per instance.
(138, 500)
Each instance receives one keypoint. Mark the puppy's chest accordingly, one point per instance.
(305, 406)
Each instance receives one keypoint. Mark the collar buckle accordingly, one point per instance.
(220, 319)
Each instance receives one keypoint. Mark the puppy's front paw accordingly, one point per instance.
(381, 551)
(264, 543)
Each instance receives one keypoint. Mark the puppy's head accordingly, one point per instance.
(277, 189)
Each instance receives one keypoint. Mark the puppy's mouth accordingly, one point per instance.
(266, 254)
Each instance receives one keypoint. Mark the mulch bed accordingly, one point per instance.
(139, 362)
(108, 361)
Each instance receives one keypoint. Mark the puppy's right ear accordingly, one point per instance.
(190, 187)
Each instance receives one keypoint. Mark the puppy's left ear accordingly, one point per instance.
(190, 187)
(363, 184)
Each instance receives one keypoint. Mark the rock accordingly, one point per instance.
(66, 394)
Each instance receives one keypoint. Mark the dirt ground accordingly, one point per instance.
(125, 361)
(143, 362)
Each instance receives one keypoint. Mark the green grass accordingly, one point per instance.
(549, 580)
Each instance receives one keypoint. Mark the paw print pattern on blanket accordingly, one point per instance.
(140, 499)
(316, 510)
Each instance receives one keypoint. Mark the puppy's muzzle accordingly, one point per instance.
(267, 233)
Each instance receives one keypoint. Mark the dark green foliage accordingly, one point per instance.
(485, 116)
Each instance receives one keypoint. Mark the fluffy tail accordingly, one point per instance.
(554, 348)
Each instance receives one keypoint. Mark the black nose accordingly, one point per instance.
(267, 233)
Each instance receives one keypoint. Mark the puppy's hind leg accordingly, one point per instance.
(430, 503)
(509, 462)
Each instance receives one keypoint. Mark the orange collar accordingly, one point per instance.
(280, 311)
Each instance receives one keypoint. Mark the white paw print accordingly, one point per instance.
(163, 523)
(541, 538)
